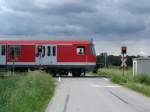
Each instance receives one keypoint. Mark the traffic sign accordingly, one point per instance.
(123, 60)
(123, 57)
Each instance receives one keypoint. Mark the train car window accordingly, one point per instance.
(80, 50)
(43, 51)
(92, 50)
(48, 51)
(15, 50)
(3, 50)
(54, 50)
(39, 51)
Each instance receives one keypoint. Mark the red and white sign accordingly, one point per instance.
(124, 60)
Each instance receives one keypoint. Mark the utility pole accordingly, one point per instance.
(105, 56)
(123, 64)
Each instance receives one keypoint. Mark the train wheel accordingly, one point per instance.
(54, 74)
(66, 73)
(84, 73)
(76, 73)
(63, 73)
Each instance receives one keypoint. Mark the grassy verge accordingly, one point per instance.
(140, 83)
(29, 92)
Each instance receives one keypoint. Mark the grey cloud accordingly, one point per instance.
(101, 23)
(107, 19)
(136, 7)
(48, 8)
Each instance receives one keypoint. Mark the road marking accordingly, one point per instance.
(105, 79)
(105, 86)
(59, 79)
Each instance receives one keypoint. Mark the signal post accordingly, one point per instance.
(124, 58)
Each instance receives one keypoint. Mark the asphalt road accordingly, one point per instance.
(95, 95)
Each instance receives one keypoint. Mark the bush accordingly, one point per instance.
(140, 83)
(144, 89)
(144, 79)
(119, 79)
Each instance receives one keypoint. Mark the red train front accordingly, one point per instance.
(56, 56)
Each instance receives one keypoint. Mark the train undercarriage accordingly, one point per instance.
(75, 71)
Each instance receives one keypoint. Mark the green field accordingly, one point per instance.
(28, 92)
(140, 83)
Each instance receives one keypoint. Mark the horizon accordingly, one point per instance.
(90, 39)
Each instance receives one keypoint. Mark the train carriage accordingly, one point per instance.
(56, 56)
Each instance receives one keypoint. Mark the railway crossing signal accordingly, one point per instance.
(124, 50)
(124, 57)
(123, 60)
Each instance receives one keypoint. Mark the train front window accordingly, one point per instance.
(80, 50)
(92, 50)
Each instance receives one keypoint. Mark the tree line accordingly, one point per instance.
(112, 60)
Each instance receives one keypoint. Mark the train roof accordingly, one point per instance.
(45, 42)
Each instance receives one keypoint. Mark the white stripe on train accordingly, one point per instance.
(58, 63)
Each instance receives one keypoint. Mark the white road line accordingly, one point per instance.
(105, 86)
(105, 79)
(59, 79)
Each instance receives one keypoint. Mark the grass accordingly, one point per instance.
(29, 92)
(139, 83)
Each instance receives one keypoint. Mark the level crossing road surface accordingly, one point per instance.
(95, 94)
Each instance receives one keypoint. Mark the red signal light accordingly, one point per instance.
(124, 50)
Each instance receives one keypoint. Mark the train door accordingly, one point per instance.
(46, 54)
(2, 54)
(53, 56)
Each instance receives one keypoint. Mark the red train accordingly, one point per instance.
(56, 56)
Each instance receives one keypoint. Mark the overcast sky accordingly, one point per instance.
(111, 23)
